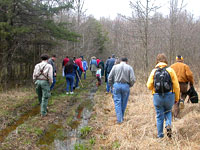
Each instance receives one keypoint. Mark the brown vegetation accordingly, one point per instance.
(138, 131)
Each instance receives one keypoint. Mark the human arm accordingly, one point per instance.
(81, 66)
(34, 72)
(111, 77)
(150, 85)
(50, 74)
(175, 84)
(132, 77)
(86, 65)
(189, 75)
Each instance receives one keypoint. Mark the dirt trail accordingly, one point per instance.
(30, 131)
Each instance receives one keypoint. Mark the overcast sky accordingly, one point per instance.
(110, 8)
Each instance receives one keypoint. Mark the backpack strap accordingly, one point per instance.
(42, 73)
(170, 77)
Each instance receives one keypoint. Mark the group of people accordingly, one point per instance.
(73, 70)
(168, 84)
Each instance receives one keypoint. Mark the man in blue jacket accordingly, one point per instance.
(109, 64)
(85, 66)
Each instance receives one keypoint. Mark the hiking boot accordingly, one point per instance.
(67, 93)
(169, 131)
(43, 116)
(181, 104)
(71, 92)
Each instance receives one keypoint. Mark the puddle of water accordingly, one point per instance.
(5, 132)
(83, 115)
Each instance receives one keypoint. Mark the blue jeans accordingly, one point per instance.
(77, 78)
(120, 95)
(53, 84)
(163, 106)
(85, 74)
(70, 82)
(108, 88)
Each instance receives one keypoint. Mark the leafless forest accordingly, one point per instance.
(62, 28)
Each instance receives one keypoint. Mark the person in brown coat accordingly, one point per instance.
(185, 77)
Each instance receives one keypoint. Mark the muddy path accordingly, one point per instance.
(66, 112)
(18, 115)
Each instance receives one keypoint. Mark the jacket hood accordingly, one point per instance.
(161, 65)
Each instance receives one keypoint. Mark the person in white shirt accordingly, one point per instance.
(43, 77)
(98, 75)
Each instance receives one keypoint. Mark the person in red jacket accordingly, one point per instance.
(98, 61)
(65, 61)
(78, 61)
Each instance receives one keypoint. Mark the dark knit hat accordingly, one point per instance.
(179, 57)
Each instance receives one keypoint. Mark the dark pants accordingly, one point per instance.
(53, 84)
(183, 90)
(108, 88)
(99, 81)
(85, 74)
(183, 95)
(70, 82)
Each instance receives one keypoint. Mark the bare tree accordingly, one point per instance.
(175, 11)
(142, 14)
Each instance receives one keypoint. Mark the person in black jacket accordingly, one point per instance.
(70, 72)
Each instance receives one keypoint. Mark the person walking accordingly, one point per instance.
(165, 89)
(185, 77)
(43, 77)
(93, 65)
(98, 76)
(121, 78)
(78, 61)
(101, 65)
(65, 61)
(52, 62)
(98, 61)
(109, 64)
(85, 66)
(70, 72)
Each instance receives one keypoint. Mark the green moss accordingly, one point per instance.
(85, 131)
(50, 134)
(80, 147)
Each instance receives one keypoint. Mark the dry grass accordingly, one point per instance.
(14, 97)
(139, 131)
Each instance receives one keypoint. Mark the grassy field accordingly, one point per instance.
(138, 131)
(25, 129)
